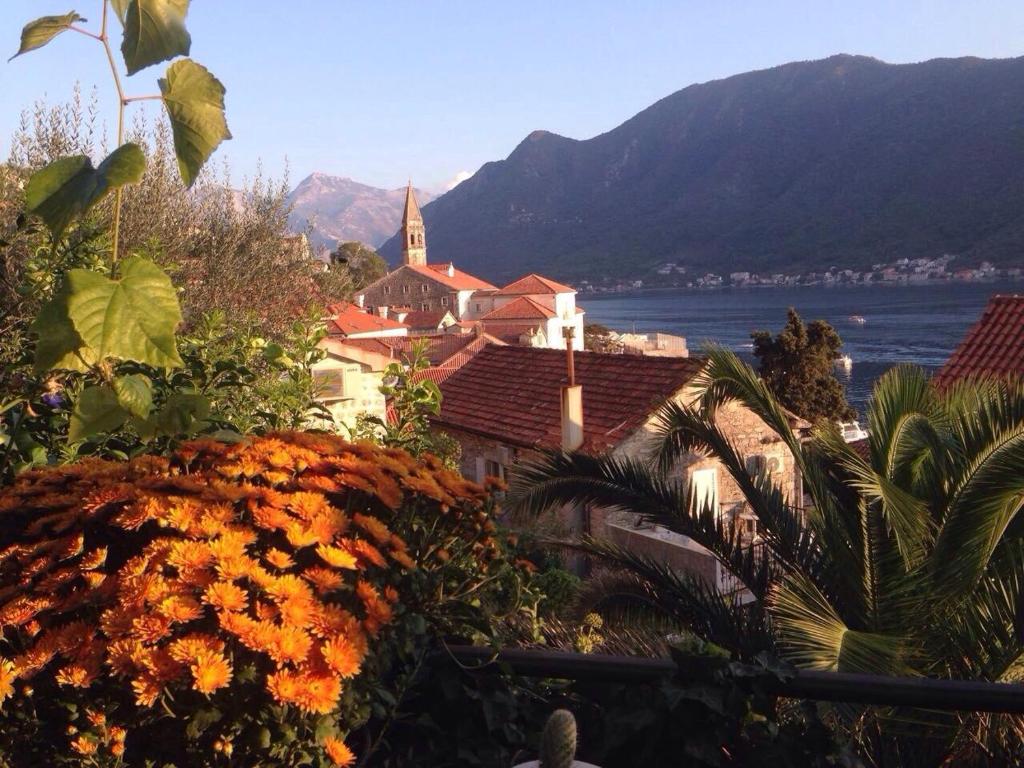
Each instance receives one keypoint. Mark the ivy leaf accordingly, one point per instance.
(130, 318)
(38, 33)
(135, 394)
(97, 411)
(70, 186)
(154, 31)
(194, 99)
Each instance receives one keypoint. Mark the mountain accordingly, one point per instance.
(845, 161)
(339, 209)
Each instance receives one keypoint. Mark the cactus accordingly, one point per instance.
(558, 742)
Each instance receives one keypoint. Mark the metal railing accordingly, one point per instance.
(878, 690)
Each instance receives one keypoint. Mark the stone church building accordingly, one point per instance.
(532, 310)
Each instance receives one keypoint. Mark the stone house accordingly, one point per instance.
(509, 402)
(348, 381)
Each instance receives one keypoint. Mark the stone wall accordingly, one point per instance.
(408, 288)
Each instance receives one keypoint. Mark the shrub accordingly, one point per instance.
(229, 602)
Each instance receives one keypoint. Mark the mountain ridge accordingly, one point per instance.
(337, 209)
(846, 160)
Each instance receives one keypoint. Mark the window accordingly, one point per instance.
(478, 306)
(387, 289)
(444, 301)
(412, 239)
(423, 288)
(405, 289)
(756, 465)
(423, 307)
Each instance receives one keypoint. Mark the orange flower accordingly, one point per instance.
(338, 752)
(366, 552)
(403, 560)
(147, 690)
(284, 687)
(377, 530)
(84, 745)
(211, 672)
(337, 557)
(318, 693)
(188, 649)
(180, 608)
(298, 611)
(290, 644)
(324, 579)
(7, 677)
(342, 656)
(279, 559)
(289, 586)
(226, 596)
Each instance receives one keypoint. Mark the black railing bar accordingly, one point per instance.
(879, 690)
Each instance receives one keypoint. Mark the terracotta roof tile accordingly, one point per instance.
(457, 279)
(513, 394)
(348, 319)
(523, 308)
(993, 346)
(533, 284)
(424, 320)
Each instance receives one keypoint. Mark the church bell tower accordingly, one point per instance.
(414, 234)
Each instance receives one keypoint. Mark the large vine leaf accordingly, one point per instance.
(59, 345)
(154, 31)
(70, 186)
(38, 33)
(134, 394)
(130, 318)
(120, 8)
(96, 411)
(194, 99)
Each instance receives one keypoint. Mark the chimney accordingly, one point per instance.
(451, 269)
(572, 401)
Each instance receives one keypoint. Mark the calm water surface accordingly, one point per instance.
(918, 324)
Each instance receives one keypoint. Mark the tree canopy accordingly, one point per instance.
(364, 264)
(798, 366)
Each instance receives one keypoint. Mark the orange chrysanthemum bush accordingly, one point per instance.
(221, 606)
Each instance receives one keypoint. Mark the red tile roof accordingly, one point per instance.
(440, 372)
(523, 308)
(347, 318)
(457, 280)
(423, 320)
(994, 346)
(511, 332)
(513, 394)
(533, 283)
(440, 347)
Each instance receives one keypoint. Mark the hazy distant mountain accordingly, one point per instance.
(844, 161)
(339, 209)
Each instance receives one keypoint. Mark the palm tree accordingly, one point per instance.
(908, 559)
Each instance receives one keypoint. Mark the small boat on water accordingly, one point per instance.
(857, 319)
(845, 362)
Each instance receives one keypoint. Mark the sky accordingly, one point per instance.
(383, 91)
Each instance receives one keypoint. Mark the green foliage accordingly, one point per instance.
(714, 713)
(412, 400)
(363, 263)
(799, 366)
(195, 104)
(69, 187)
(131, 318)
(558, 740)
(904, 562)
(598, 338)
(38, 33)
(154, 31)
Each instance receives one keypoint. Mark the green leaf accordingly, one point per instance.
(59, 345)
(131, 318)
(135, 394)
(38, 33)
(70, 186)
(194, 99)
(154, 31)
(182, 414)
(120, 8)
(96, 411)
